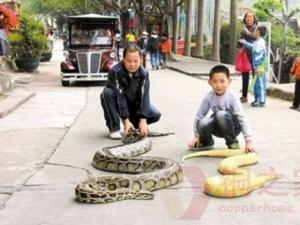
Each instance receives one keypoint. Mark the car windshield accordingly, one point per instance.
(90, 35)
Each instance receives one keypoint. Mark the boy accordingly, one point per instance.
(258, 48)
(295, 71)
(228, 118)
(126, 95)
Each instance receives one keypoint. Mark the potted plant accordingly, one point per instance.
(27, 43)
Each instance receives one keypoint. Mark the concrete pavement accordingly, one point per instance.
(48, 142)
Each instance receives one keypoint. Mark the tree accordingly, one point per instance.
(216, 33)
(56, 9)
(175, 26)
(233, 27)
(199, 41)
(187, 39)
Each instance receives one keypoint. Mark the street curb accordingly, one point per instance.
(196, 74)
(271, 91)
(15, 98)
(281, 94)
(187, 73)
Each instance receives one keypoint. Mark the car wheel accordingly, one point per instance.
(65, 83)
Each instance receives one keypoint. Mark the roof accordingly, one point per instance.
(93, 16)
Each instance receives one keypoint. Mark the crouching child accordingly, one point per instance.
(227, 119)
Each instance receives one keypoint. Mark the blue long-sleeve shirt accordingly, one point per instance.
(258, 48)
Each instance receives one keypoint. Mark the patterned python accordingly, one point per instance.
(148, 173)
(236, 181)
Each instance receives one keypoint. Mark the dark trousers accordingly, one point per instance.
(144, 60)
(245, 84)
(222, 124)
(296, 100)
(111, 111)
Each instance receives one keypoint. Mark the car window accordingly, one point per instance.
(90, 36)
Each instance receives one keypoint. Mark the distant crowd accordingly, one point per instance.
(158, 46)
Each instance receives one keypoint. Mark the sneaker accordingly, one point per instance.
(115, 135)
(293, 107)
(257, 104)
(243, 99)
(234, 145)
(202, 147)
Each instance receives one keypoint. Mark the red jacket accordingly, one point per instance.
(296, 68)
(166, 46)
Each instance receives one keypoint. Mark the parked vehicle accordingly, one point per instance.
(91, 48)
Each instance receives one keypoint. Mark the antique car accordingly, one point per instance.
(91, 48)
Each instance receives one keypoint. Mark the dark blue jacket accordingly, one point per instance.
(132, 92)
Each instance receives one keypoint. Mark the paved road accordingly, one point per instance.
(47, 145)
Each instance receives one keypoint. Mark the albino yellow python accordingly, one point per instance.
(236, 181)
(150, 173)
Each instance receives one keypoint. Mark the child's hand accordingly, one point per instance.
(249, 147)
(242, 41)
(246, 31)
(194, 142)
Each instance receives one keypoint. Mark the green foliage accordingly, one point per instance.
(268, 10)
(55, 7)
(274, 7)
(194, 36)
(225, 40)
(208, 52)
(29, 40)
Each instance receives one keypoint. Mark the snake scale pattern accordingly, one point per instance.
(142, 174)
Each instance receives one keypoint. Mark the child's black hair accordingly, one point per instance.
(262, 30)
(132, 48)
(219, 69)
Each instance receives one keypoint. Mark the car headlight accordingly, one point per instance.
(112, 55)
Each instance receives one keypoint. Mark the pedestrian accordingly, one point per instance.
(258, 49)
(130, 37)
(165, 48)
(142, 43)
(227, 119)
(153, 48)
(250, 23)
(126, 95)
(118, 39)
(295, 71)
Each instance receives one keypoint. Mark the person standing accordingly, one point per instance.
(127, 95)
(153, 48)
(142, 43)
(259, 52)
(165, 48)
(250, 22)
(295, 71)
(118, 39)
(130, 37)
